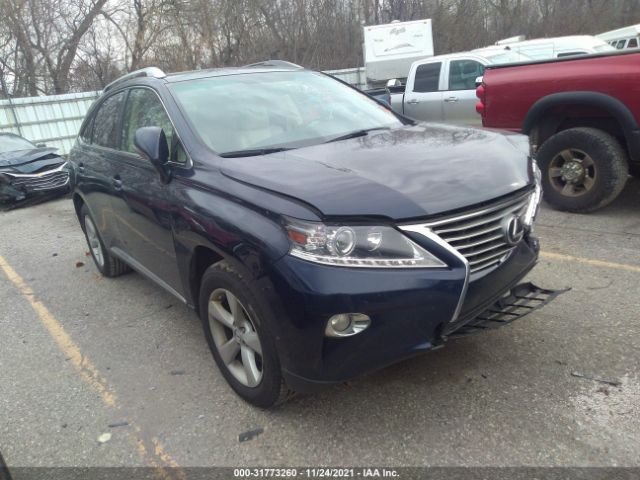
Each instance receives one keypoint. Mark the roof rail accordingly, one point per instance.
(154, 72)
(273, 63)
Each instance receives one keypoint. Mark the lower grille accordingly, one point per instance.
(479, 234)
(520, 301)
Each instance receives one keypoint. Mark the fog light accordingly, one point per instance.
(341, 322)
(347, 324)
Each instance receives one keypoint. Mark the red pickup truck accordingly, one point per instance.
(582, 116)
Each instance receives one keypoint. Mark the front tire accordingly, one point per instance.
(236, 323)
(583, 169)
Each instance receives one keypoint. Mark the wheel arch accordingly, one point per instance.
(78, 202)
(544, 108)
(202, 257)
(205, 253)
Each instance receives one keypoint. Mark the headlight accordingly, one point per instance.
(357, 246)
(536, 197)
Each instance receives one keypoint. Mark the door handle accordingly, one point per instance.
(451, 99)
(117, 183)
(413, 101)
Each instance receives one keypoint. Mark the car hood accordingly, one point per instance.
(29, 161)
(409, 172)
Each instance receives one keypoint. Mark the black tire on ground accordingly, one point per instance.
(271, 389)
(610, 163)
(110, 266)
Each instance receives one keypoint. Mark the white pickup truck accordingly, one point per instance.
(443, 88)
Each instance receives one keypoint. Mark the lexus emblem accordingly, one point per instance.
(512, 229)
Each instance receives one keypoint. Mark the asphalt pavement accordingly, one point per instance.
(116, 372)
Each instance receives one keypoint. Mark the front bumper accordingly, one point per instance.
(411, 312)
(21, 189)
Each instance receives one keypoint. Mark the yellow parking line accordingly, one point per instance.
(88, 372)
(82, 364)
(588, 261)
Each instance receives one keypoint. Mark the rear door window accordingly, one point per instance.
(106, 121)
(427, 77)
(633, 43)
(463, 74)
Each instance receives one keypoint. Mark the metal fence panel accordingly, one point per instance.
(54, 120)
(353, 76)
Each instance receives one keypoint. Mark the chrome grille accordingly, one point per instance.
(478, 234)
(38, 182)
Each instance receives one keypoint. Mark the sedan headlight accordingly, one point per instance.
(536, 197)
(357, 246)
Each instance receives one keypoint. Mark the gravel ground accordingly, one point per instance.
(82, 356)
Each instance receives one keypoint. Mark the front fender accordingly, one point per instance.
(248, 238)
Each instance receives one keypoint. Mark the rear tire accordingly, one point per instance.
(250, 367)
(107, 264)
(583, 169)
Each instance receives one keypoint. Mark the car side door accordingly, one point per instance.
(141, 203)
(93, 160)
(459, 102)
(423, 95)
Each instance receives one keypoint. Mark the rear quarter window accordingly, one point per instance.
(86, 130)
(106, 121)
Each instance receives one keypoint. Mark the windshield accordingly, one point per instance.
(10, 143)
(276, 110)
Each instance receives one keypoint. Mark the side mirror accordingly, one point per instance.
(152, 144)
(479, 81)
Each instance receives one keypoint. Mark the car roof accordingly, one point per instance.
(576, 41)
(155, 74)
(221, 72)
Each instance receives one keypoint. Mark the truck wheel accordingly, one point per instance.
(236, 325)
(583, 169)
(107, 264)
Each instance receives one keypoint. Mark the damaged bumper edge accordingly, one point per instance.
(519, 302)
(19, 190)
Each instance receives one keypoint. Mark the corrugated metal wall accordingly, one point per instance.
(54, 120)
(353, 76)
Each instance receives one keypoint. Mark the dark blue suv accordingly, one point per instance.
(317, 234)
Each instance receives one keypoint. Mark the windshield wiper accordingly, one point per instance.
(357, 133)
(254, 152)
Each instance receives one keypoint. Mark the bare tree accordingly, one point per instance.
(52, 46)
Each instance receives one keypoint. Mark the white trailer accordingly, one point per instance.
(627, 37)
(390, 49)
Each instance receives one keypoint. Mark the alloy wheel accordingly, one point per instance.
(572, 173)
(235, 337)
(94, 241)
